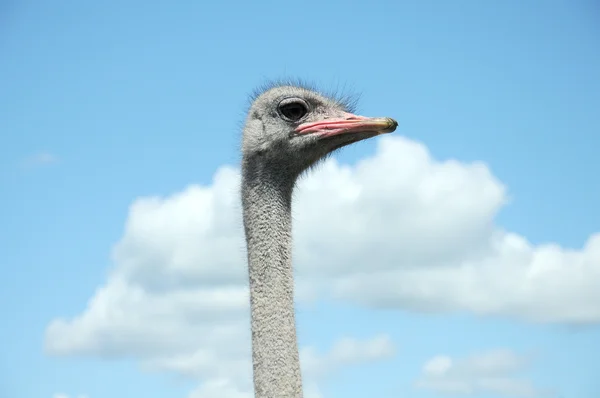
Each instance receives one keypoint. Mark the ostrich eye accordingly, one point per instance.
(293, 111)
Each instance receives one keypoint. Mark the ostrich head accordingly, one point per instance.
(290, 128)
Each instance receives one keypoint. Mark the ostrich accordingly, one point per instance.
(288, 129)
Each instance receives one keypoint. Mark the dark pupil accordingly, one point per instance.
(293, 111)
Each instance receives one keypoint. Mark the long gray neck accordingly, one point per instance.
(266, 200)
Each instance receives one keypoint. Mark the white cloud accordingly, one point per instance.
(39, 159)
(226, 371)
(229, 378)
(220, 388)
(488, 372)
(346, 351)
(398, 230)
(225, 389)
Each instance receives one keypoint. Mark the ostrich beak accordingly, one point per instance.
(349, 123)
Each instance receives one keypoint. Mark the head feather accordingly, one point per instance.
(345, 98)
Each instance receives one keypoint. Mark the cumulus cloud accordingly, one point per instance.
(233, 380)
(494, 371)
(226, 372)
(346, 351)
(397, 230)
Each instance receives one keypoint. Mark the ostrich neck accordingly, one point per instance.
(266, 200)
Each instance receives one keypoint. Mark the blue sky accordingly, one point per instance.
(103, 103)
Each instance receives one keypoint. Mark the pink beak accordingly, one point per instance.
(349, 123)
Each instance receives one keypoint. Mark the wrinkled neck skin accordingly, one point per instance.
(266, 200)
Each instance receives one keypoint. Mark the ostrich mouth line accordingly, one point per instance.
(350, 124)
